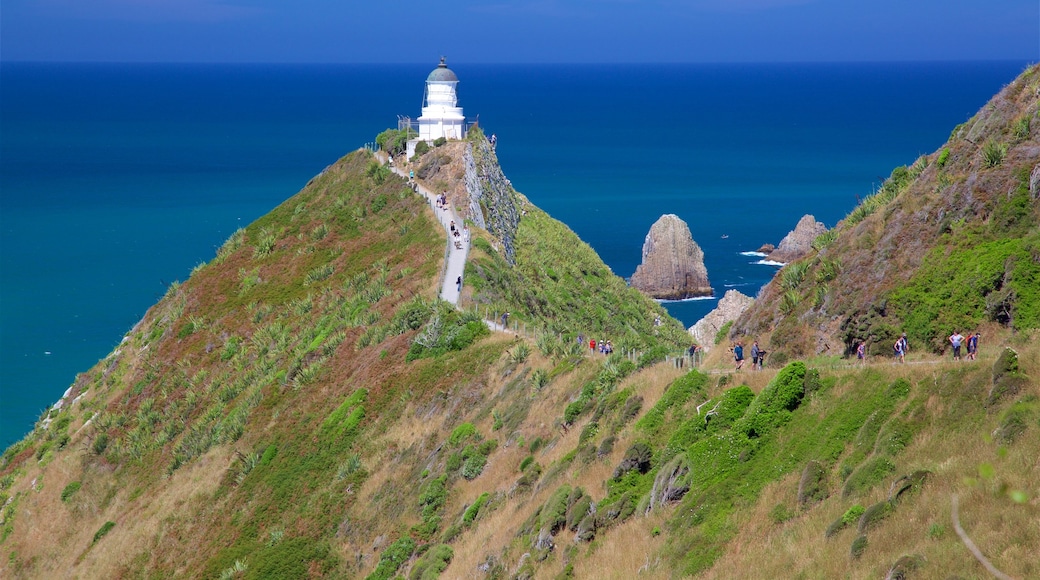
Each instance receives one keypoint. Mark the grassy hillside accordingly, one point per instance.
(950, 242)
(303, 406)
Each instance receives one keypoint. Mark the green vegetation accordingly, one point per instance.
(69, 490)
(104, 529)
(394, 141)
(306, 405)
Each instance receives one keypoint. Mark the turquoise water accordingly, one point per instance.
(116, 180)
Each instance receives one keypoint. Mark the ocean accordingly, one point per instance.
(117, 179)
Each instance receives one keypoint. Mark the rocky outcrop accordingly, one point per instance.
(732, 305)
(673, 264)
(493, 203)
(798, 243)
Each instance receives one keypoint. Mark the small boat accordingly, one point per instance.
(724, 236)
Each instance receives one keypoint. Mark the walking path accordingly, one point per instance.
(457, 248)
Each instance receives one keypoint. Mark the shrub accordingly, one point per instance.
(812, 487)
(421, 148)
(993, 153)
(69, 490)
(773, 406)
(944, 156)
(439, 141)
(392, 558)
(430, 565)
(874, 514)
(461, 433)
(520, 353)
(104, 529)
(1007, 379)
(473, 510)
(723, 332)
(474, 466)
(859, 545)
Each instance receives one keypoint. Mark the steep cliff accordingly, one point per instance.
(672, 267)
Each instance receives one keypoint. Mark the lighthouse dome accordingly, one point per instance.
(442, 74)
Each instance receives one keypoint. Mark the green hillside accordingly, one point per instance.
(950, 242)
(304, 406)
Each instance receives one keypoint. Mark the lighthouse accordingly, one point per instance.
(441, 117)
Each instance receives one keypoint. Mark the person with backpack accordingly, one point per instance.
(754, 355)
(900, 349)
(973, 345)
(738, 356)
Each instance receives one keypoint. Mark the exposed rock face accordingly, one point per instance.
(673, 264)
(798, 243)
(493, 204)
(732, 305)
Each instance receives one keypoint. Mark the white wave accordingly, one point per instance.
(759, 254)
(686, 299)
(770, 263)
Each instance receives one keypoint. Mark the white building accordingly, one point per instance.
(440, 115)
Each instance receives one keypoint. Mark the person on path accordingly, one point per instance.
(505, 320)
(458, 283)
(754, 355)
(900, 353)
(973, 345)
(861, 352)
(956, 339)
(592, 345)
(738, 356)
(906, 345)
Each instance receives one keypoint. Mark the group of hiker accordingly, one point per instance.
(758, 356)
(956, 340)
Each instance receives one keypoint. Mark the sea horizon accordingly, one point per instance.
(119, 178)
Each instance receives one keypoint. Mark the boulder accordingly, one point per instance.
(732, 305)
(766, 249)
(798, 243)
(673, 264)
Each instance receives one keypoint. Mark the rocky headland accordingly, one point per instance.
(673, 264)
(798, 242)
(732, 305)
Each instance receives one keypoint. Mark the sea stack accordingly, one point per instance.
(798, 242)
(673, 264)
(732, 305)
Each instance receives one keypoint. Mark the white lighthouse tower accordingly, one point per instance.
(440, 115)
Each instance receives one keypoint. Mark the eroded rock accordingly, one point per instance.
(799, 242)
(673, 264)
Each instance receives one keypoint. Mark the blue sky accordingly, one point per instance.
(378, 31)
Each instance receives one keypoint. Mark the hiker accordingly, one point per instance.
(973, 345)
(505, 320)
(738, 356)
(754, 355)
(899, 348)
(458, 283)
(861, 352)
(956, 339)
(592, 345)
